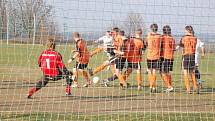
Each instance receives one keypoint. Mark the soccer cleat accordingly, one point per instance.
(188, 92)
(105, 82)
(140, 88)
(199, 86)
(153, 90)
(87, 84)
(199, 83)
(68, 94)
(125, 85)
(29, 97)
(68, 90)
(170, 89)
(75, 85)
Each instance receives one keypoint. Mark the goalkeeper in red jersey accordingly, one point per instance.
(53, 68)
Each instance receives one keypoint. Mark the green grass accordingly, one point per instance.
(19, 63)
(111, 117)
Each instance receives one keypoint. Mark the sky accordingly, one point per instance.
(99, 15)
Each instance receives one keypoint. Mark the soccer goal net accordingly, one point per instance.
(107, 60)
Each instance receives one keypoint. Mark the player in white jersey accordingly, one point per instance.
(199, 46)
(107, 41)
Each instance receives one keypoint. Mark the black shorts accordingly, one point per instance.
(153, 64)
(120, 63)
(166, 65)
(189, 62)
(80, 66)
(134, 65)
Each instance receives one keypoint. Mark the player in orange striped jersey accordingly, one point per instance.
(188, 43)
(117, 62)
(119, 45)
(166, 59)
(153, 43)
(82, 57)
(134, 47)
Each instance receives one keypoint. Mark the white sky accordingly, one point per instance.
(98, 15)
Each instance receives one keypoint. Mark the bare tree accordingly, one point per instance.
(29, 16)
(133, 22)
(3, 19)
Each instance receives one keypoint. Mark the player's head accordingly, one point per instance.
(167, 30)
(50, 44)
(189, 30)
(115, 31)
(122, 33)
(76, 36)
(138, 33)
(154, 28)
(107, 33)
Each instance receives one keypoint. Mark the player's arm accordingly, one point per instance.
(96, 51)
(119, 51)
(202, 48)
(100, 39)
(76, 54)
(181, 44)
(61, 65)
(203, 51)
(73, 57)
(39, 60)
(174, 45)
(144, 45)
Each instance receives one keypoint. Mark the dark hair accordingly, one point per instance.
(189, 29)
(116, 29)
(122, 33)
(139, 31)
(154, 27)
(167, 30)
(50, 43)
(76, 35)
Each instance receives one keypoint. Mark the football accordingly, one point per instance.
(95, 80)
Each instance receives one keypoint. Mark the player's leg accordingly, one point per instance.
(155, 64)
(41, 83)
(170, 69)
(128, 70)
(97, 50)
(154, 80)
(161, 68)
(86, 77)
(186, 65)
(120, 62)
(149, 69)
(187, 81)
(194, 80)
(167, 67)
(102, 67)
(137, 66)
(192, 71)
(112, 78)
(69, 79)
(82, 69)
(99, 68)
(75, 81)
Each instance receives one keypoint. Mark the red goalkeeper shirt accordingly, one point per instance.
(50, 62)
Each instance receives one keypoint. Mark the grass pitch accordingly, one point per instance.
(19, 71)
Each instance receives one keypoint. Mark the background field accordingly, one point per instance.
(19, 72)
